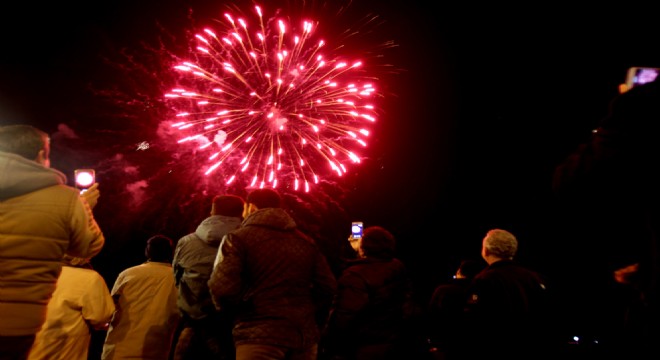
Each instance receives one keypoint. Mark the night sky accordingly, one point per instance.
(480, 103)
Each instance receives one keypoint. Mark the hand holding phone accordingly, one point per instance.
(356, 229)
(91, 195)
(640, 75)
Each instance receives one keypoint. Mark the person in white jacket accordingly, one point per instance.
(146, 314)
(81, 302)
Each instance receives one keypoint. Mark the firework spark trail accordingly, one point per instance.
(268, 106)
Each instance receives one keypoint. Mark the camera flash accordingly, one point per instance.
(84, 178)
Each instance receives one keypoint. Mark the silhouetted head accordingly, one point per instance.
(377, 242)
(264, 198)
(227, 205)
(469, 268)
(159, 249)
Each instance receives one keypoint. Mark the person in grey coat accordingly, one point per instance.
(205, 333)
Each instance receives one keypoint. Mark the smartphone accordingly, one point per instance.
(356, 229)
(84, 178)
(640, 75)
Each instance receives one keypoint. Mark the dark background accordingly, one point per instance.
(480, 103)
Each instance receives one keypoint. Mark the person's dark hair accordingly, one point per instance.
(264, 198)
(377, 242)
(471, 267)
(228, 205)
(159, 249)
(23, 140)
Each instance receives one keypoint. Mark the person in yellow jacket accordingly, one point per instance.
(81, 302)
(41, 220)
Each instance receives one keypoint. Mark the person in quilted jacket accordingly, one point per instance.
(274, 280)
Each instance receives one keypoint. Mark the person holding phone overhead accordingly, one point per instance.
(42, 220)
(608, 190)
(373, 304)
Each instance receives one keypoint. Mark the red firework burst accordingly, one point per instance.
(264, 102)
